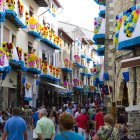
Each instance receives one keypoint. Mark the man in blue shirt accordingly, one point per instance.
(15, 127)
(35, 118)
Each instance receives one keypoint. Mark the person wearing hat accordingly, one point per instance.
(82, 122)
(45, 128)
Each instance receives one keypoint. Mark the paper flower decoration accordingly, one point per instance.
(32, 58)
(2, 57)
(77, 58)
(66, 62)
(20, 7)
(97, 24)
(19, 51)
(32, 23)
(25, 58)
(27, 17)
(45, 67)
(130, 19)
(8, 47)
(10, 4)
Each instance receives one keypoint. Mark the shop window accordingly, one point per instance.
(6, 34)
(14, 39)
(30, 47)
(31, 11)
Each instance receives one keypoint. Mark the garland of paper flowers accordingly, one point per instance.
(32, 58)
(45, 67)
(77, 58)
(8, 47)
(97, 24)
(27, 16)
(25, 58)
(20, 7)
(130, 19)
(19, 52)
(2, 56)
(10, 4)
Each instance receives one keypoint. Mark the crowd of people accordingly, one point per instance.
(69, 122)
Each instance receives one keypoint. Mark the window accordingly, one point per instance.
(14, 39)
(30, 47)
(31, 11)
(6, 34)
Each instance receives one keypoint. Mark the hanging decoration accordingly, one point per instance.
(77, 58)
(32, 58)
(28, 91)
(32, 24)
(20, 7)
(130, 18)
(10, 4)
(97, 24)
(27, 17)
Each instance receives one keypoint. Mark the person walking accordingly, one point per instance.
(15, 127)
(82, 122)
(45, 128)
(66, 127)
(99, 119)
(108, 131)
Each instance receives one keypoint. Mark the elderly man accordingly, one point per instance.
(45, 128)
(82, 122)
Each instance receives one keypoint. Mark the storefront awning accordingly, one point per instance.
(58, 87)
(131, 62)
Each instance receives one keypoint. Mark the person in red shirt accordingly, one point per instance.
(82, 123)
(99, 118)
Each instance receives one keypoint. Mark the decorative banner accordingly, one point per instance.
(28, 92)
(126, 76)
(127, 28)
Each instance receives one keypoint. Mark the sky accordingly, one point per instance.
(79, 12)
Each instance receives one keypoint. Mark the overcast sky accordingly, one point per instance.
(79, 12)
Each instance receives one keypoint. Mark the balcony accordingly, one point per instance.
(42, 3)
(99, 31)
(15, 56)
(4, 64)
(13, 12)
(68, 86)
(78, 61)
(34, 28)
(126, 29)
(84, 71)
(101, 50)
(102, 10)
(50, 72)
(100, 2)
(67, 66)
(33, 63)
(77, 84)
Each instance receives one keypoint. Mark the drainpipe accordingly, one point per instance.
(135, 82)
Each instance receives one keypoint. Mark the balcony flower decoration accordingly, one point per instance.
(27, 17)
(45, 32)
(57, 72)
(2, 3)
(70, 64)
(38, 62)
(25, 58)
(2, 57)
(54, 71)
(130, 19)
(19, 51)
(117, 28)
(8, 47)
(97, 24)
(77, 58)
(51, 69)
(66, 62)
(59, 42)
(65, 84)
(76, 82)
(55, 39)
(45, 67)
(10, 4)
(32, 58)
(32, 24)
(50, 35)
(21, 8)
